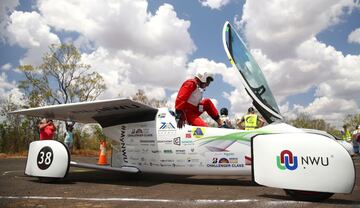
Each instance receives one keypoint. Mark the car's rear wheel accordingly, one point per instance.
(308, 195)
(47, 179)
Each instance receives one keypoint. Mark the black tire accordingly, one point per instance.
(47, 180)
(311, 196)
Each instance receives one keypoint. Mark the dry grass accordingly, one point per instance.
(14, 155)
(86, 153)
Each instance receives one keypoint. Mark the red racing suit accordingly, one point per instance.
(190, 103)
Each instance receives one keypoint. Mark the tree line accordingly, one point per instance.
(62, 78)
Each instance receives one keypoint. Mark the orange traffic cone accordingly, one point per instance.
(102, 156)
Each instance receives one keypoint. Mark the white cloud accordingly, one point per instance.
(4, 84)
(320, 66)
(214, 4)
(122, 25)
(125, 72)
(10, 90)
(132, 48)
(314, 64)
(239, 101)
(6, 67)
(354, 36)
(6, 8)
(332, 110)
(29, 31)
(294, 61)
(278, 27)
(202, 65)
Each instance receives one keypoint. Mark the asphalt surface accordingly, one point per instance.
(91, 188)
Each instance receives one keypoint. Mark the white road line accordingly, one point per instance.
(200, 201)
(12, 171)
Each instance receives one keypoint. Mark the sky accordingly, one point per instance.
(308, 50)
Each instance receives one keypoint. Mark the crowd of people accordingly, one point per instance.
(47, 131)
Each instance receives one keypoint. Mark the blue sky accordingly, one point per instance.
(309, 51)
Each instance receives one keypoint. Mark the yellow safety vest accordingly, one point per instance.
(250, 121)
(346, 136)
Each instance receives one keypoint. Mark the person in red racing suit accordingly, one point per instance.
(189, 104)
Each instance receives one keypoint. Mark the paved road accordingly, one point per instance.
(89, 188)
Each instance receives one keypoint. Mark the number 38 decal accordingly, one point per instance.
(45, 158)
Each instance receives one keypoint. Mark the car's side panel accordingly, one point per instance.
(158, 146)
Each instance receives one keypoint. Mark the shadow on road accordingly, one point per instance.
(146, 180)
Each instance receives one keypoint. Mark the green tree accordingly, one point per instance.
(61, 78)
(352, 120)
(304, 120)
(141, 97)
(13, 128)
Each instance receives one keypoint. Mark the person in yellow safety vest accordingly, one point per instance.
(346, 136)
(251, 120)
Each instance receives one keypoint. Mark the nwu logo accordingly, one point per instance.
(286, 160)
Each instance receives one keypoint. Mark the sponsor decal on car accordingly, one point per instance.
(177, 141)
(192, 152)
(187, 142)
(225, 163)
(192, 160)
(162, 115)
(134, 150)
(167, 161)
(123, 144)
(140, 132)
(225, 160)
(168, 151)
(145, 142)
(145, 150)
(198, 132)
(168, 141)
(288, 161)
(178, 165)
(167, 126)
(180, 152)
(154, 164)
(134, 158)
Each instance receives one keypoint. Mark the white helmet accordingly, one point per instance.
(203, 77)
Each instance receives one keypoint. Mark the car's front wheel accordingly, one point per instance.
(308, 195)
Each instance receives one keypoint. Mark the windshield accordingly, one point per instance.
(249, 70)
